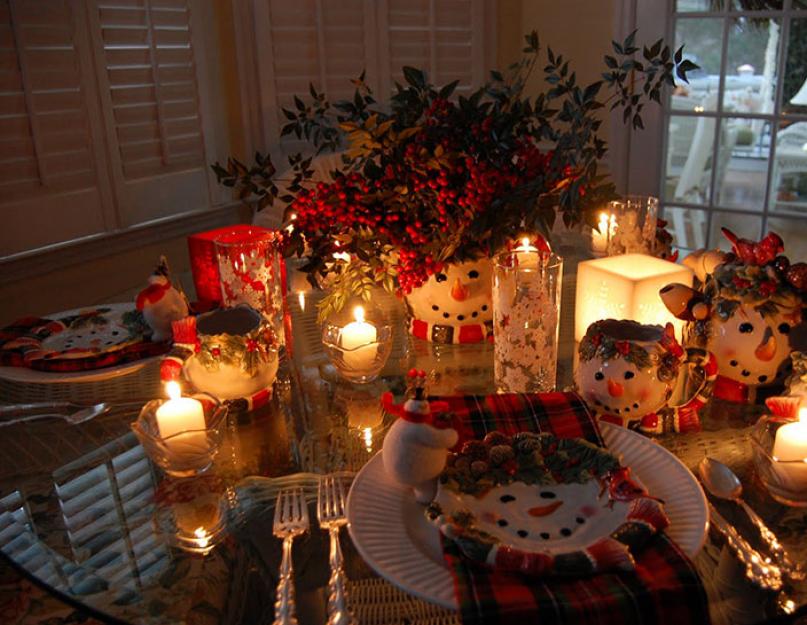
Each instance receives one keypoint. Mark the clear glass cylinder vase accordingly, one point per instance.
(526, 313)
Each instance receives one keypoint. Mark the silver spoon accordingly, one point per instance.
(721, 482)
(74, 418)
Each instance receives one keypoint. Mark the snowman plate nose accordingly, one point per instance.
(459, 291)
(766, 350)
(615, 389)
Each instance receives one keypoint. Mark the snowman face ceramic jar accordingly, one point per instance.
(627, 373)
(745, 313)
(454, 306)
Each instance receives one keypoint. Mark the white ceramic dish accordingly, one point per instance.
(393, 536)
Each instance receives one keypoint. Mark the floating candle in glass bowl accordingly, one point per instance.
(359, 349)
(780, 457)
(181, 434)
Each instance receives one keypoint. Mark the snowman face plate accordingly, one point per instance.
(512, 502)
(460, 294)
(94, 331)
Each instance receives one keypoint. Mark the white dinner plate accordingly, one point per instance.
(27, 375)
(391, 532)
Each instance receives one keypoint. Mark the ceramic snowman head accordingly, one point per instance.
(454, 305)
(627, 373)
(744, 314)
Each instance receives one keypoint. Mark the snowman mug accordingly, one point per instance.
(639, 376)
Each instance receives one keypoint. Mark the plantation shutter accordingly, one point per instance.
(48, 145)
(329, 42)
(148, 78)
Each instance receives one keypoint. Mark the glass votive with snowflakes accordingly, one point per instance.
(526, 311)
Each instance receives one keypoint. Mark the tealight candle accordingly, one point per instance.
(181, 414)
(358, 340)
(526, 255)
(790, 453)
(601, 236)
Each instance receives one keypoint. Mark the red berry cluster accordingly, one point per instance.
(426, 190)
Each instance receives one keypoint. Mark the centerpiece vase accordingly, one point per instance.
(454, 305)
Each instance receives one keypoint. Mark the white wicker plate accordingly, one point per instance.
(393, 536)
(34, 376)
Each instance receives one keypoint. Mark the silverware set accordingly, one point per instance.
(769, 572)
(290, 521)
(72, 413)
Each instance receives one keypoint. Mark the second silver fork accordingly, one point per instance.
(291, 520)
(331, 516)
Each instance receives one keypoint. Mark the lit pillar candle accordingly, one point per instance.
(358, 340)
(180, 414)
(789, 446)
(599, 238)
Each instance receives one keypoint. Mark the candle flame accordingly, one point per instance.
(358, 314)
(173, 390)
(525, 241)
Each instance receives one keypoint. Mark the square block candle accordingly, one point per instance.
(625, 287)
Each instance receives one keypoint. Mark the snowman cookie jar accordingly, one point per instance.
(416, 446)
(745, 313)
(628, 371)
(454, 305)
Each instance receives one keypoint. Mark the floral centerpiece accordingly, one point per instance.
(431, 179)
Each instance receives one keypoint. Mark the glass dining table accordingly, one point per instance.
(86, 515)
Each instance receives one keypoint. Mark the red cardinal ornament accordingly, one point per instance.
(752, 253)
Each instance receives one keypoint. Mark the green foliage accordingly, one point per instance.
(426, 132)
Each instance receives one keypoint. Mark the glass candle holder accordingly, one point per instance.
(779, 447)
(192, 513)
(627, 226)
(177, 438)
(359, 349)
(526, 310)
(251, 271)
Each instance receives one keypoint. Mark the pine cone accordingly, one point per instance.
(499, 454)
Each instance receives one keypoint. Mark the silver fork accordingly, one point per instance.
(291, 520)
(331, 515)
(74, 418)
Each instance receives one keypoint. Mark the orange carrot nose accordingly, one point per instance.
(766, 350)
(615, 388)
(459, 291)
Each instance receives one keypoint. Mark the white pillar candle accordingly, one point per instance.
(790, 446)
(180, 414)
(358, 340)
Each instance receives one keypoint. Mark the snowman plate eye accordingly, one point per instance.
(473, 274)
(599, 375)
(746, 328)
(629, 375)
(441, 277)
(783, 328)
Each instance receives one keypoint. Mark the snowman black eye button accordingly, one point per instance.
(784, 328)
(441, 277)
(473, 274)
(506, 498)
(599, 376)
(629, 375)
(746, 328)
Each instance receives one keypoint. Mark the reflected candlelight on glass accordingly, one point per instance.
(301, 300)
(368, 439)
(606, 228)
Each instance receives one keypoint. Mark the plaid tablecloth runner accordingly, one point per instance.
(664, 588)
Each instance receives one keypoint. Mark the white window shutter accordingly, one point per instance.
(148, 82)
(48, 143)
(328, 42)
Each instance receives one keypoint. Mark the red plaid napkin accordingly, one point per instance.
(664, 588)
